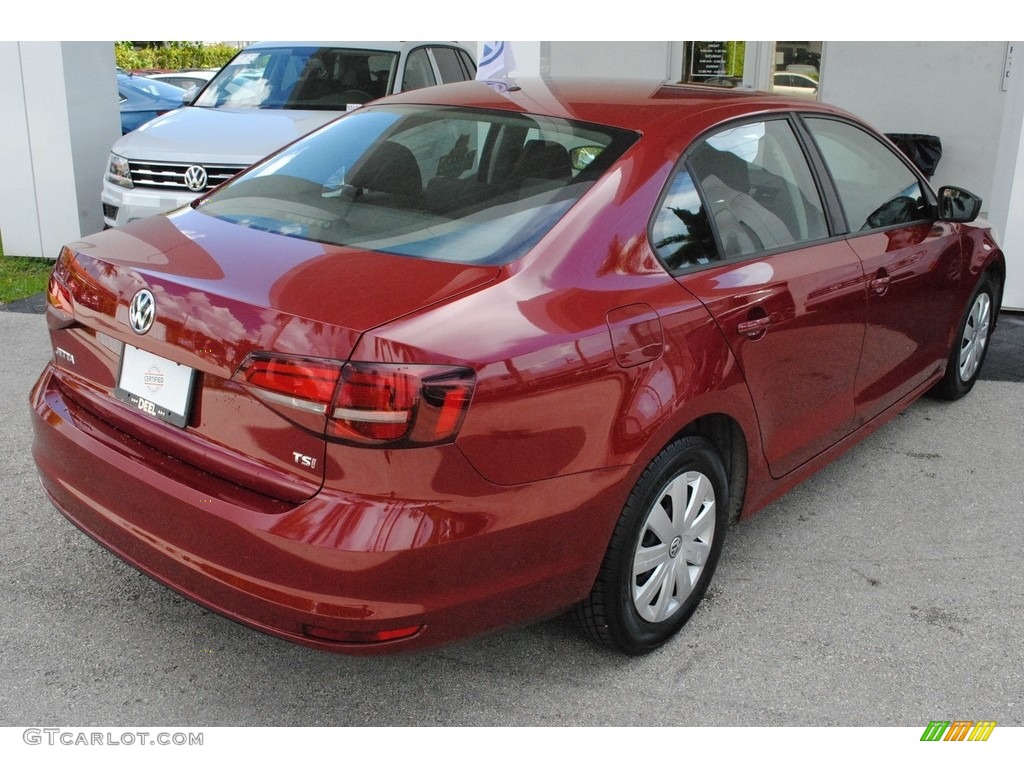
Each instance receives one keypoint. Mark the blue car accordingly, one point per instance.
(143, 99)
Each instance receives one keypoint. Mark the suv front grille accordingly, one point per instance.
(172, 175)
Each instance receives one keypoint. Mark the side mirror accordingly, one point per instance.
(190, 95)
(958, 205)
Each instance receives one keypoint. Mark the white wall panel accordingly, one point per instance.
(62, 120)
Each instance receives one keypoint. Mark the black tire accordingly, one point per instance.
(971, 343)
(637, 612)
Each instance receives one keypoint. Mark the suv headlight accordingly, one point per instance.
(118, 171)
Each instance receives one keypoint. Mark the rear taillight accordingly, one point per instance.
(58, 294)
(374, 403)
(58, 291)
(304, 384)
(364, 403)
(300, 389)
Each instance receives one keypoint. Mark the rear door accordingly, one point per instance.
(911, 262)
(743, 228)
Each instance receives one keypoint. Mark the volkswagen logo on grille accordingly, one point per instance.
(141, 311)
(195, 178)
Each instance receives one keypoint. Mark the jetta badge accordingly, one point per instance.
(195, 178)
(141, 311)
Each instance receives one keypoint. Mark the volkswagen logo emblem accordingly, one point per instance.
(141, 311)
(195, 178)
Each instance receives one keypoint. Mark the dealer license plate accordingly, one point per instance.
(155, 385)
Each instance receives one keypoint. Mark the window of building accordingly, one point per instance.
(714, 62)
(797, 68)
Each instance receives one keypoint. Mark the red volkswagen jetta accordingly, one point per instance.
(483, 353)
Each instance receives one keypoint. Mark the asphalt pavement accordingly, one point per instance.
(888, 590)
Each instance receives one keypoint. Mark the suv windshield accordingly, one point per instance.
(439, 183)
(301, 77)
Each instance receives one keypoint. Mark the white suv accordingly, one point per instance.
(267, 96)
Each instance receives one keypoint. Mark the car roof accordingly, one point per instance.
(632, 104)
(391, 46)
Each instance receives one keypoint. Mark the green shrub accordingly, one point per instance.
(21, 277)
(173, 55)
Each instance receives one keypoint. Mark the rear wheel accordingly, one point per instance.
(663, 551)
(968, 352)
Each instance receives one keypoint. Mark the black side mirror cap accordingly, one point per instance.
(958, 205)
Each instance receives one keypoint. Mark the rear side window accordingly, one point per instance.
(418, 72)
(875, 187)
(450, 66)
(743, 190)
(681, 232)
(467, 63)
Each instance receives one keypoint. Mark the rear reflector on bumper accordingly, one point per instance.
(346, 636)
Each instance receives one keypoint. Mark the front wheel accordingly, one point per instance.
(968, 352)
(663, 551)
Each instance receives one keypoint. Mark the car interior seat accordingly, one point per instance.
(391, 170)
(542, 165)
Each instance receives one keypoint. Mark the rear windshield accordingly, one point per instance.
(301, 77)
(445, 184)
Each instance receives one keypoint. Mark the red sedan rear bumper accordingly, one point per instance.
(426, 571)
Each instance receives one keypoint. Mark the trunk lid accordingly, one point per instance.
(222, 292)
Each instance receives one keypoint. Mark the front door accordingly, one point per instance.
(911, 264)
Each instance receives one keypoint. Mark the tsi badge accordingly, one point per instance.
(303, 460)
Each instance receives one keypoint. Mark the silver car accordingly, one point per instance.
(268, 95)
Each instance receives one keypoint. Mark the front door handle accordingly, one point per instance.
(880, 284)
(755, 329)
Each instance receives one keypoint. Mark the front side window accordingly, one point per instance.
(875, 187)
(437, 183)
(756, 193)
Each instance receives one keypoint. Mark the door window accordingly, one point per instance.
(418, 72)
(755, 190)
(451, 65)
(875, 187)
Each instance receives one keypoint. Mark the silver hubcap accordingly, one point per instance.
(674, 546)
(972, 345)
